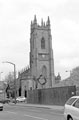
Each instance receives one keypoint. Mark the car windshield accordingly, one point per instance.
(70, 101)
(21, 97)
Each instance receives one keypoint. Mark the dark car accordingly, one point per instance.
(1, 106)
(5, 101)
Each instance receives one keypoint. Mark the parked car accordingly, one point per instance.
(7, 100)
(71, 108)
(1, 106)
(21, 99)
(13, 100)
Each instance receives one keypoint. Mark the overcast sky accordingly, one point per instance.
(15, 19)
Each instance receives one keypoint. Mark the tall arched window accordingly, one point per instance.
(42, 43)
(44, 71)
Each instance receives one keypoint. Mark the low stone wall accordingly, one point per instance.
(51, 96)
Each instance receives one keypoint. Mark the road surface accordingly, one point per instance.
(14, 112)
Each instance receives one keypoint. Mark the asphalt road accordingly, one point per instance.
(11, 112)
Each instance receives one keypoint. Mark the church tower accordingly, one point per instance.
(41, 54)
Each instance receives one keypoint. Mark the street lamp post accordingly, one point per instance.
(69, 72)
(14, 76)
(70, 76)
(0, 75)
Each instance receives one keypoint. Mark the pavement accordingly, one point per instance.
(53, 107)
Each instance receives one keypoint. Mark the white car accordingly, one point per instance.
(71, 108)
(21, 99)
(1, 106)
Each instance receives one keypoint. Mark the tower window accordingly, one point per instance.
(42, 43)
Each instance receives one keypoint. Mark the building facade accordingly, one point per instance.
(40, 74)
(41, 55)
(23, 82)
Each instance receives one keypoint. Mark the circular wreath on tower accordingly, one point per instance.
(42, 80)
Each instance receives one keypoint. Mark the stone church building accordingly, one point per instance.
(41, 53)
(41, 70)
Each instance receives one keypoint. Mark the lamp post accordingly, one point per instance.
(0, 75)
(70, 76)
(5, 84)
(69, 72)
(14, 76)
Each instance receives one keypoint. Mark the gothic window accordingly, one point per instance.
(42, 43)
(44, 71)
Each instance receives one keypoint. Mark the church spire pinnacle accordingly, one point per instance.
(48, 21)
(42, 22)
(35, 20)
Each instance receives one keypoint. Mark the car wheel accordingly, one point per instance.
(70, 118)
(1, 110)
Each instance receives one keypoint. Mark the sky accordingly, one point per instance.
(15, 20)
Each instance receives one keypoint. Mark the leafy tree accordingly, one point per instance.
(9, 79)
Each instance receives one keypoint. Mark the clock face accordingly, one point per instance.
(43, 56)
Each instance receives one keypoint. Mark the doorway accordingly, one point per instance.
(25, 93)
